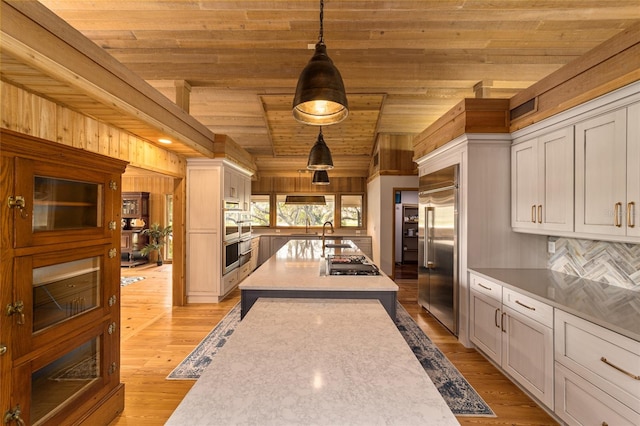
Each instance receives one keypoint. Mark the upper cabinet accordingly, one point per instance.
(542, 183)
(577, 175)
(607, 177)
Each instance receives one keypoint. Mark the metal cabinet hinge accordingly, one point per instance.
(113, 226)
(113, 185)
(16, 308)
(112, 368)
(112, 300)
(14, 416)
(112, 328)
(112, 253)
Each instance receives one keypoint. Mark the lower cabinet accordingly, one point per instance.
(516, 332)
(597, 374)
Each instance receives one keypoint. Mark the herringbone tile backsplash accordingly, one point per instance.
(612, 263)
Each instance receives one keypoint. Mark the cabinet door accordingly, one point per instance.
(231, 181)
(527, 354)
(247, 193)
(601, 174)
(63, 204)
(485, 332)
(555, 181)
(633, 171)
(524, 185)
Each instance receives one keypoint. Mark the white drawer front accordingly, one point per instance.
(578, 402)
(229, 281)
(605, 358)
(487, 287)
(528, 307)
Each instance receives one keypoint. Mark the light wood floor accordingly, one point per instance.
(156, 337)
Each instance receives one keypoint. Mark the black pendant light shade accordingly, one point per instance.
(320, 156)
(320, 97)
(320, 177)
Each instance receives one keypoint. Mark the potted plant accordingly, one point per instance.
(157, 239)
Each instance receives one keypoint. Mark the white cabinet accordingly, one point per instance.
(542, 183)
(597, 374)
(209, 183)
(246, 204)
(607, 179)
(515, 331)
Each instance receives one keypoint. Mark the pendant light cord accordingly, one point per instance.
(321, 37)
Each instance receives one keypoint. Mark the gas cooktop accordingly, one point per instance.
(351, 265)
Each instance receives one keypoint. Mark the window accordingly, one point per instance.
(304, 214)
(351, 211)
(260, 210)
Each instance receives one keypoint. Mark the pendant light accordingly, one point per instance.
(320, 177)
(320, 156)
(314, 200)
(320, 97)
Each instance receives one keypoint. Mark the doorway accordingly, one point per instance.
(405, 235)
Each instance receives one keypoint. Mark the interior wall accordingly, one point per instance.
(407, 197)
(380, 212)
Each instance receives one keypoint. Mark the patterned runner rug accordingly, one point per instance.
(462, 399)
(125, 281)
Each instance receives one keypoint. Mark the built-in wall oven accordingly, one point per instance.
(231, 221)
(244, 225)
(231, 255)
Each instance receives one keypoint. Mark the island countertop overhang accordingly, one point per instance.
(297, 266)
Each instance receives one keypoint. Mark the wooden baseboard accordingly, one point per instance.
(110, 407)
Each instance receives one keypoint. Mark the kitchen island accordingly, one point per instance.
(297, 270)
(314, 362)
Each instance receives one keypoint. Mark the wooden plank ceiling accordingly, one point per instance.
(404, 63)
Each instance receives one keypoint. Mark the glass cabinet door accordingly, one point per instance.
(59, 291)
(61, 204)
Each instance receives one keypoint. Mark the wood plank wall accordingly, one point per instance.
(33, 115)
(393, 155)
(158, 188)
(302, 184)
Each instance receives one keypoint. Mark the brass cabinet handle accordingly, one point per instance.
(540, 213)
(633, 376)
(495, 317)
(616, 214)
(631, 207)
(528, 307)
(533, 213)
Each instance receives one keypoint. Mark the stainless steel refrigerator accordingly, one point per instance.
(438, 246)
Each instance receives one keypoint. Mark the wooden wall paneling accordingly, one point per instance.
(609, 66)
(179, 242)
(290, 185)
(33, 115)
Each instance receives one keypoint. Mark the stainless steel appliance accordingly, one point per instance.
(230, 255)
(438, 246)
(231, 221)
(245, 251)
(244, 225)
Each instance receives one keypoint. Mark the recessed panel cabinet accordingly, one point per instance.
(516, 332)
(542, 183)
(607, 179)
(60, 288)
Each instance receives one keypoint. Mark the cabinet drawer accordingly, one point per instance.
(578, 402)
(486, 287)
(229, 281)
(529, 307)
(603, 357)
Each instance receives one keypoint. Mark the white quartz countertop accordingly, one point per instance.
(297, 266)
(610, 306)
(314, 362)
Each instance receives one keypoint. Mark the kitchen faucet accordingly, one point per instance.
(323, 233)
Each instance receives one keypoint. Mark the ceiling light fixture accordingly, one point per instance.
(320, 156)
(320, 177)
(315, 200)
(320, 97)
(164, 141)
